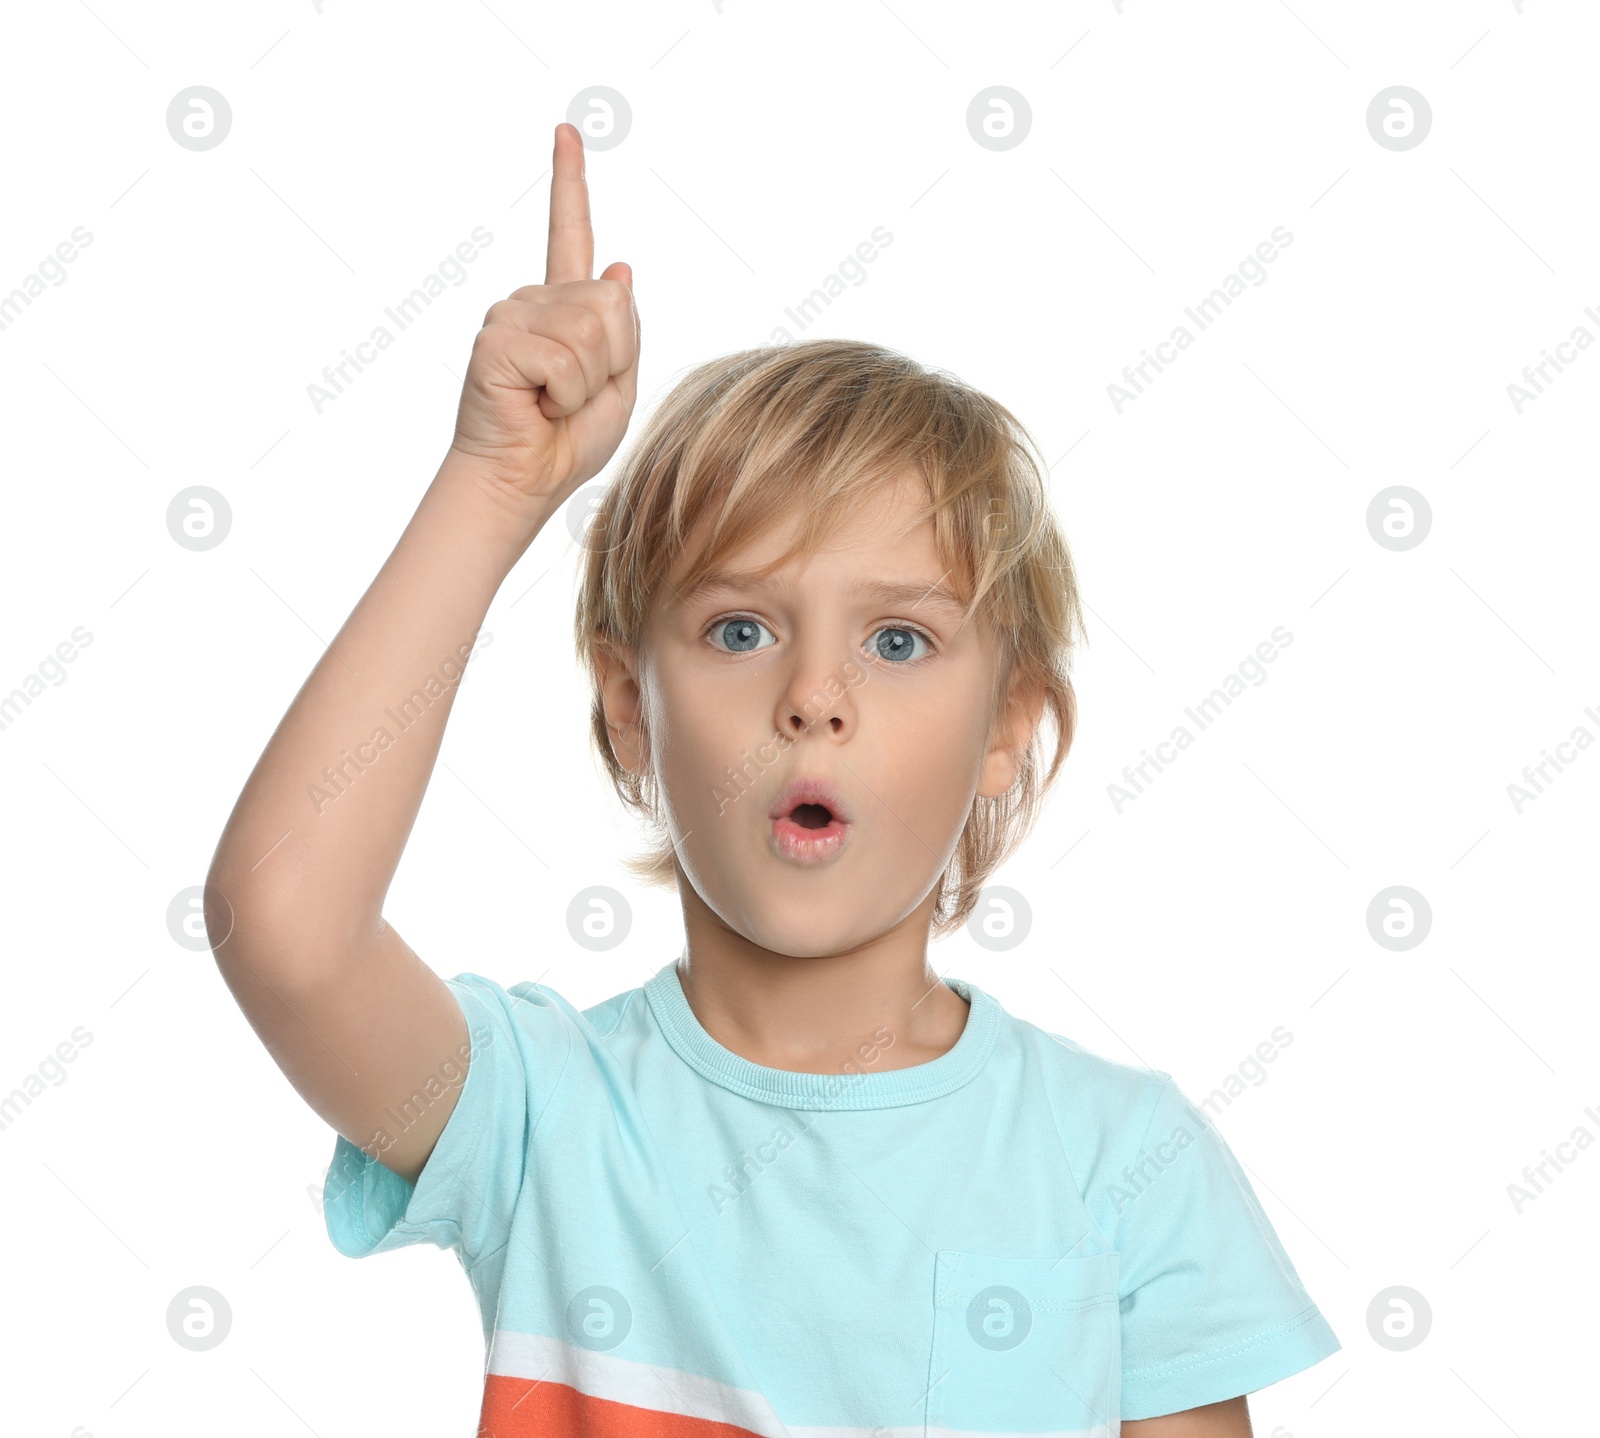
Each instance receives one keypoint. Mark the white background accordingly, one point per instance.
(767, 142)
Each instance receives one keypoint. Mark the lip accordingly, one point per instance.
(809, 791)
(799, 844)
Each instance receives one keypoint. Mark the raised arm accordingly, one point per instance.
(295, 894)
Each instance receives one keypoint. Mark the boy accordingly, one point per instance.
(794, 1183)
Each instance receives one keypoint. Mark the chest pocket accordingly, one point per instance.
(1025, 1345)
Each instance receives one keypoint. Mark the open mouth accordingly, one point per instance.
(809, 824)
(811, 816)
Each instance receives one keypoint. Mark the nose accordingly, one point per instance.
(818, 699)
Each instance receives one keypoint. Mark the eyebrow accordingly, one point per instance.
(906, 594)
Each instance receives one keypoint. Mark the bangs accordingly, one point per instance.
(777, 436)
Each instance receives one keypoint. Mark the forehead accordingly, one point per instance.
(883, 524)
(882, 554)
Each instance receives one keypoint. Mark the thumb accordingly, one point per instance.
(623, 272)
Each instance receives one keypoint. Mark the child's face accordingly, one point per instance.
(803, 676)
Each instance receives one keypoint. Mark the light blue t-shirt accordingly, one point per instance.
(1016, 1237)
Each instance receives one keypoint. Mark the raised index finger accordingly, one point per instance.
(571, 252)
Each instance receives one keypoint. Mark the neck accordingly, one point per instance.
(816, 1014)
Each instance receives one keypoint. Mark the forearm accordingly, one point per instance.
(307, 856)
(1227, 1419)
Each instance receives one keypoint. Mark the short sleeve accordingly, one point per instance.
(1211, 1305)
(466, 1194)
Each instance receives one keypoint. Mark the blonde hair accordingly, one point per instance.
(815, 428)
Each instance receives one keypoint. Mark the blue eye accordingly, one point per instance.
(899, 645)
(741, 636)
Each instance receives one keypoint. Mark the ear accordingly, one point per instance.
(1011, 735)
(621, 700)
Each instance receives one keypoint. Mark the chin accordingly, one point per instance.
(801, 939)
(806, 920)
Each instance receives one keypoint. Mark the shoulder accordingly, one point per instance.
(535, 1013)
(535, 1005)
(1107, 1114)
(530, 1038)
(610, 1015)
(1090, 1092)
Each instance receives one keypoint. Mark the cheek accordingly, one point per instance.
(928, 750)
(948, 711)
(702, 728)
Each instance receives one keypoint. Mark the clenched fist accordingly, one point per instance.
(555, 367)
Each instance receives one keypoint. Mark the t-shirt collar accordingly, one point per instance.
(858, 1087)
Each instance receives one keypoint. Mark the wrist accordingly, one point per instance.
(503, 525)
